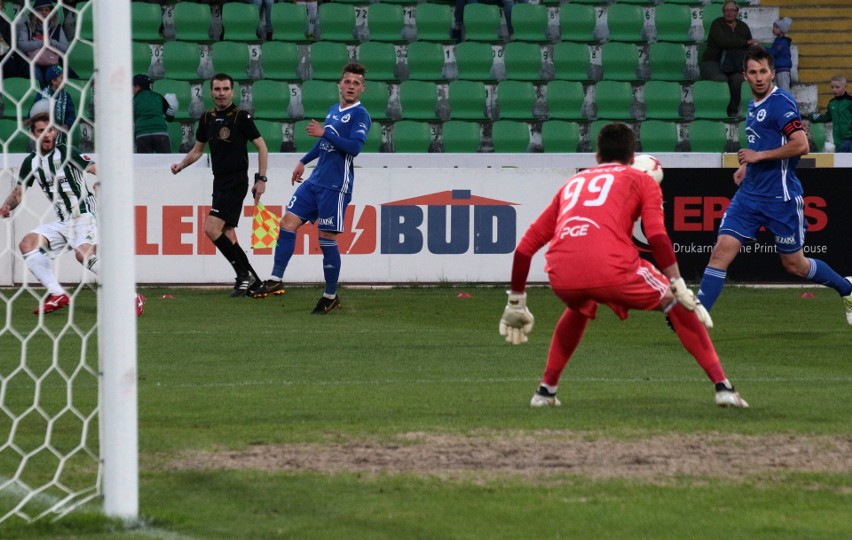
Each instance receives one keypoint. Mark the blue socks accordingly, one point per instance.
(823, 274)
(711, 286)
(283, 251)
(330, 265)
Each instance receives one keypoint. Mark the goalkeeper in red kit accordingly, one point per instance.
(592, 260)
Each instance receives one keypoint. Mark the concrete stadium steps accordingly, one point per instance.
(822, 34)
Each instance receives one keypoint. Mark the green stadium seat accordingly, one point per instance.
(418, 100)
(668, 62)
(708, 14)
(673, 22)
(565, 100)
(375, 100)
(578, 23)
(336, 22)
(81, 58)
(708, 136)
(270, 99)
(373, 144)
(530, 22)
(523, 60)
(558, 136)
(663, 100)
(142, 56)
(482, 22)
(328, 59)
(459, 136)
(620, 61)
(710, 99)
(146, 21)
(317, 97)
(426, 61)
(207, 99)
(231, 57)
(175, 136)
(515, 100)
(433, 22)
(272, 134)
(410, 136)
(280, 60)
(658, 136)
(192, 22)
(467, 100)
(385, 22)
(510, 136)
(85, 21)
(182, 91)
(289, 22)
(12, 140)
(614, 100)
(18, 90)
(181, 60)
(301, 140)
(474, 60)
(593, 129)
(625, 22)
(240, 22)
(571, 61)
(380, 60)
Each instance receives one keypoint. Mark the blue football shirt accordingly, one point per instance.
(335, 168)
(769, 124)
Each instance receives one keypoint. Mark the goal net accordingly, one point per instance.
(60, 326)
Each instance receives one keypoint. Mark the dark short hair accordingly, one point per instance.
(40, 117)
(354, 67)
(615, 143)
(758, 54)
(222, 77)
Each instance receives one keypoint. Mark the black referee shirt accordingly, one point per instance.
(227, 132)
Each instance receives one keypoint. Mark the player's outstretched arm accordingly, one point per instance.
(191, 157)
(11, 202)
(517, 321)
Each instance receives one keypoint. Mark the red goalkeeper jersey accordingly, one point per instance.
(589, 225)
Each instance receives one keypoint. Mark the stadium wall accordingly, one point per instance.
(429, 218)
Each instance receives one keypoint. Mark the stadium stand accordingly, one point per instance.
(433, 22)
(336, 22)
(523, 61)
(620, 61)
(663, 100)
(673, 22)
(240, 21)
(707, 136)
(658, 136)
(385, 22)
(381, 58)
(668, 62)
(425, 61)
(468, 101)
(560, 136)
(711, 99)
(515, 100)
(182, 91)
(270, 99)
(272, 133)
(418, 100)
(147, 20)
(280, 60)
(411, 136)
(327, 58)
(614, 100)
(181, 60)
(510, 136)
(289, 22)
(578, 23)
(375, 99)
(571, 61)
(317, 97)
(530, 22)
(81, 56)
(625, 22)
(565, 100)
(142, 57)
(474, 60)
(231, 57)
(192, 22)
(482, 22)
(460, 136)
(11, 139)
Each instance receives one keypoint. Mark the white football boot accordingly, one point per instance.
(726, 396)
(543, 398)
(847, 301)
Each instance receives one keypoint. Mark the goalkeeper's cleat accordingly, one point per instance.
(270, 287)
(543, 398)
(140, 305)
(847, 301)
(53, 303)
(726, 396)
(242, 285)
(324, 305)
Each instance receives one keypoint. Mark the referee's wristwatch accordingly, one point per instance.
(259, 177)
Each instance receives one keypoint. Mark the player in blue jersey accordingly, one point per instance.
(324, 196)
(769, 193)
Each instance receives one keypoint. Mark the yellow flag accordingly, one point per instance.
(264, 230)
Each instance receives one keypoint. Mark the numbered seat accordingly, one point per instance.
(658, 136)
(289, 22)
(459, 136)
(510, 136)
(272, 133)
(673, 22)
(418, 100)
(433, 22)
(523, 60)
(240, 22)
(620, 61)
(336, 22)
(468, 100)
(381, 59)
(147, 19)
(710, 99)
(182, 91)
(565, 100)
(385, 22)
(231, 57)
(280, 60)
(668, 62)
(708, 136)
(515, 100)
(192, 21)
(625, 22)
(411, 136)
(530, 22)
(474, 60)
(614, 100)
(571, 61)
(317, 97)
(578, 23)
(482, 22)
(181, 60)
(558, 136)
(663, 100)
(425, 61)
(327, 59)
(271, 99)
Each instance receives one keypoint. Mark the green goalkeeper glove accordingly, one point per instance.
(687, 299)
(517, 321)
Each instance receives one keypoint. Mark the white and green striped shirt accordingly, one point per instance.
(60, 176)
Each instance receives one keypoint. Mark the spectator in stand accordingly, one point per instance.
(264, 9)
(151, 111)
(727, 44)
(64, 113)
(457, 32)
(311, 8)
(42, 39)
(839, 113)
(780, 50)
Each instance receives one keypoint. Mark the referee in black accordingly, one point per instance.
(228, 128)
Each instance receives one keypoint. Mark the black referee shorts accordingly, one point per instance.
(229, 192)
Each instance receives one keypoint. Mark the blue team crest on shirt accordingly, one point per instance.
(346, 118)
(761, 115)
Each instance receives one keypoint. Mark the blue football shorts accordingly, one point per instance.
(325, 207)
(784, 219)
